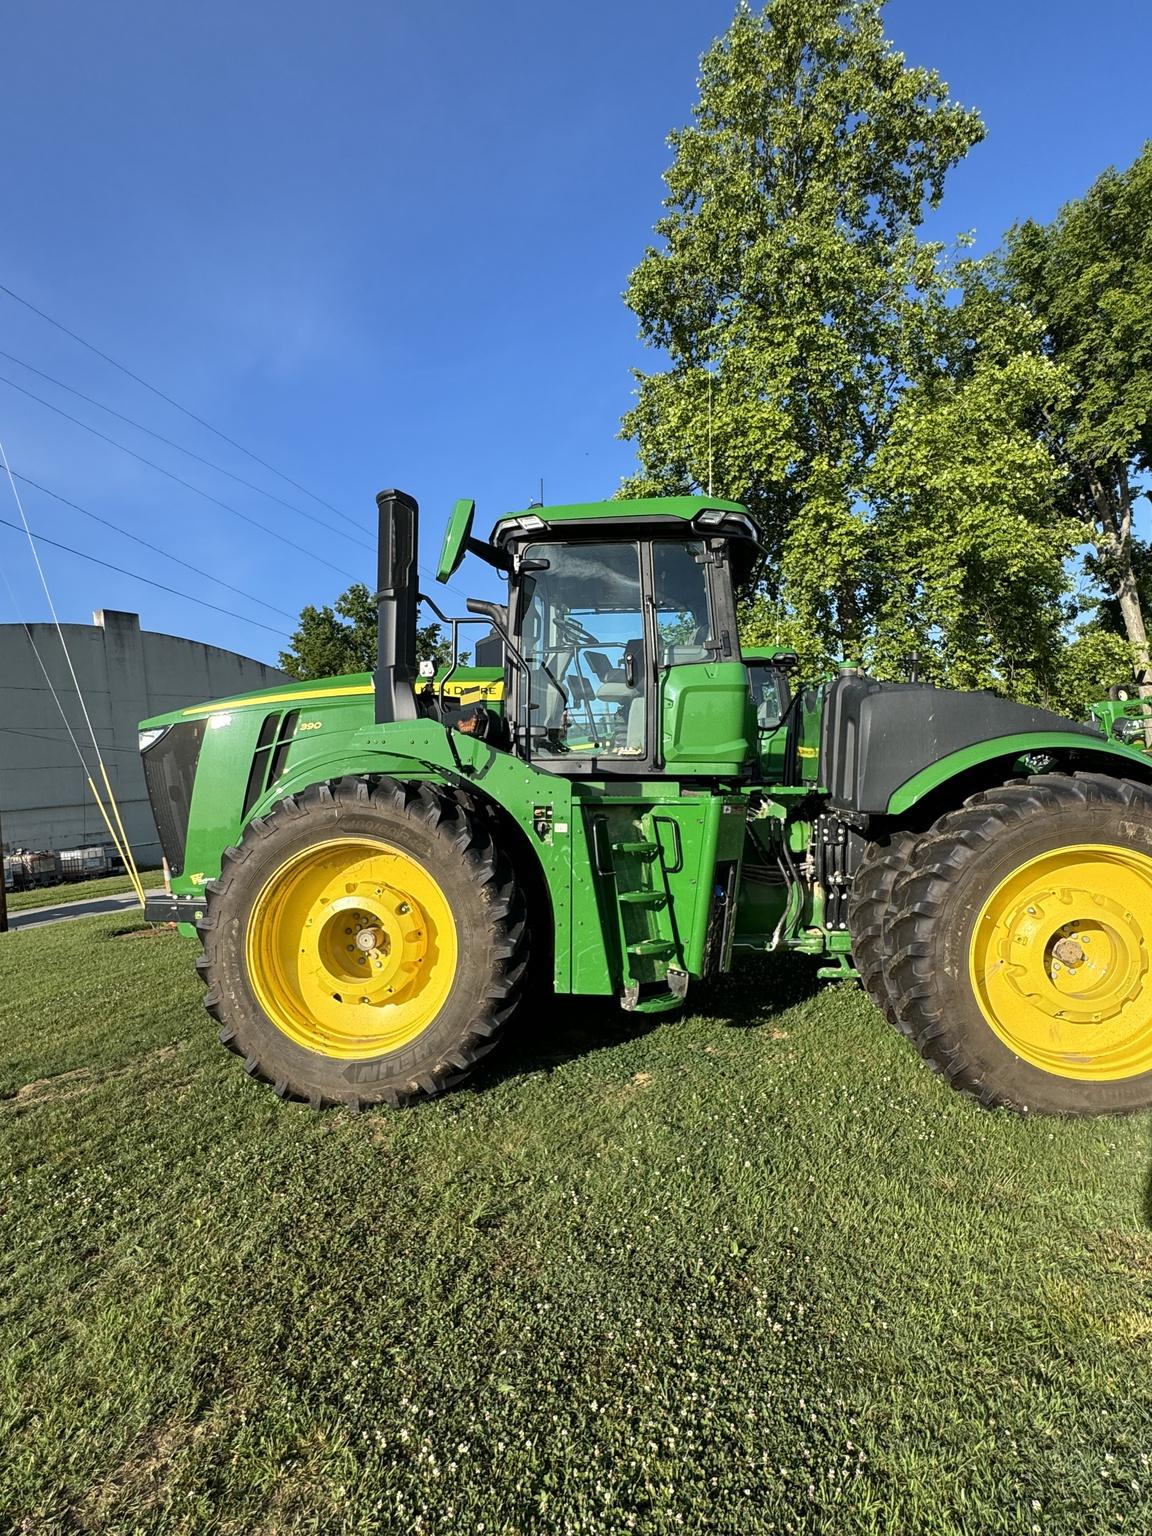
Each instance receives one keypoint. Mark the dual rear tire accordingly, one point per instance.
(1012, 943)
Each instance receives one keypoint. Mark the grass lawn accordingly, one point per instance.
(753, 1270)
(81, 890)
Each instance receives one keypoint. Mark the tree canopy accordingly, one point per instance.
(1087, 277)
(333, 641)
(927, 441)
(792, 293)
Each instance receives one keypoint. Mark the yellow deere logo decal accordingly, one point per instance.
(473, 692)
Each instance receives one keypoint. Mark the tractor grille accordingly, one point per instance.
(170, 772)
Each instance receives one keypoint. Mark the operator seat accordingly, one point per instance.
(614, 689)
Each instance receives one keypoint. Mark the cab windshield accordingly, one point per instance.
(591, 667)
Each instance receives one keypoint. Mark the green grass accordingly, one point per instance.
(754, 1270)
(81, 890)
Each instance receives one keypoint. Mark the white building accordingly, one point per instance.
(126, 674)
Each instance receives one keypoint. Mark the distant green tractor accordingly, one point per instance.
(1124, 716)
(381, 868)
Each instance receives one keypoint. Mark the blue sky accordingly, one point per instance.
(384, 244)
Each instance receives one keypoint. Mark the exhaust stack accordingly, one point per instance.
(396, 603)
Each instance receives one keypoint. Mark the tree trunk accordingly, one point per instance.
(1114, 513)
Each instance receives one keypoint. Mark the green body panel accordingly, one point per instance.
(1112, 755)
(810, 719)
(486, 682)
(586, 877)
(706, 718)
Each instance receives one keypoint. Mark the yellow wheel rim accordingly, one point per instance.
(1060, 963)
(351, 948)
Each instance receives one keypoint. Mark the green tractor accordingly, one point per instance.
(381, 868)
(1125, 716)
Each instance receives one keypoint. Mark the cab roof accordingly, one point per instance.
(685, 508)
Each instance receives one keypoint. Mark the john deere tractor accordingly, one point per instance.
(381, 868)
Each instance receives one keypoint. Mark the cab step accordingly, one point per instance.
(662, 997)
(642, 849)
(654, 899)
(653, 949)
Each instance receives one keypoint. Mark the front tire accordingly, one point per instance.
(1022, 946)
(364, 944)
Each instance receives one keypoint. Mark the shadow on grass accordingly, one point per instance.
(548, 1030)
(756, 990)
(551, 1030)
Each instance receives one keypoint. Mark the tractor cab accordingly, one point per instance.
(621, 640)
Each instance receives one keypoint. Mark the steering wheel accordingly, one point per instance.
(577, 632)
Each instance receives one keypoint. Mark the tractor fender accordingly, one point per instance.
(321, 767)
(510, 791)
(1103, 757)
(886, 745)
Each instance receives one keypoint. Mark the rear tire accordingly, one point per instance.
(870, 916)
(365, 943)
(1022, 946)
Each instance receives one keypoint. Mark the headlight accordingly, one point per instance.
(150, 737)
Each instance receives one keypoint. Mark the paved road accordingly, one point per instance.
(33, 917)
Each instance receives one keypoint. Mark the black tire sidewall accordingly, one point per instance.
(1002, 1075)
(310, 1073)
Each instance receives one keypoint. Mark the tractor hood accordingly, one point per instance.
(349, 686)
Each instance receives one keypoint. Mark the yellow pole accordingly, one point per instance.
(130, 864)
(125, 854)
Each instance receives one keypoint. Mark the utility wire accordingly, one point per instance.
(135, 576)
(123, 846)
(187, 484)
(11, 730)
(40, 659)
(155, 548)
(171, 443)
(168, 400)
(192, 416)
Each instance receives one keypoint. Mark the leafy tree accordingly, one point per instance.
(1087, 276)
(1094, 659)
(967, 518)
(332, 641)
(793, 295)
(1108, 612)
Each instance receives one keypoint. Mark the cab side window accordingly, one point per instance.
(681, 594)
(769, 694)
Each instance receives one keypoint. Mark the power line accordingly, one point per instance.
(192, 416)
(187, 484)
(171, 443)
(155, 548)
(112, 809)
(135, 576)
(11, 730)
(168, 400)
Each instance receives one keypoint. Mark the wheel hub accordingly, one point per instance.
(352, 948)
(1060, 961)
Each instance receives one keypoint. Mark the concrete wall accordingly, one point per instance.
(126, 674)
